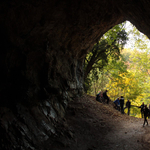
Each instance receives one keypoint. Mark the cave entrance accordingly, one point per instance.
(119, 62)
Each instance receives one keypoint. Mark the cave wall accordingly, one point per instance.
(43, 45)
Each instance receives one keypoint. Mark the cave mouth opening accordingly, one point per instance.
(42, 50)
(125, 76)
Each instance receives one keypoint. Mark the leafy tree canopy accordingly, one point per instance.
(108, 47)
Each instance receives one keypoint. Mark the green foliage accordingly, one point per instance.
(107, 48)
(141, 67)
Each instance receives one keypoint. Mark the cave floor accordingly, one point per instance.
(90, 125)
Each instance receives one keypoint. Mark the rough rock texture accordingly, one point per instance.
(43, 45)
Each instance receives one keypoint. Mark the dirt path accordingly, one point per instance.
(90, 125)
(127, 136)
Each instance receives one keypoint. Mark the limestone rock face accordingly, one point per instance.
(42, 50)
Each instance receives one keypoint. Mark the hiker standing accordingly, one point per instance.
(142, 109)
(146, 113)
(122, 104)
(128, 105)
(105, 96)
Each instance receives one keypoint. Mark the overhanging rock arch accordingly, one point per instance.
(43, 44)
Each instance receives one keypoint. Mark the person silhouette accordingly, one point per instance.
(105, 96)
(122, 104)
(142, 108)
(146, 113)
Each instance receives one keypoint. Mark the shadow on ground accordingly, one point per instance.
(90, 125)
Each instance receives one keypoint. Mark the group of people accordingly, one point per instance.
(145, 111)
(102, 97)
(119, 102)
(119, 105)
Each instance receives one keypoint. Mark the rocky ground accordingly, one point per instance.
(90, 125)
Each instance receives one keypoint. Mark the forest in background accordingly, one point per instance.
(122, 71)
